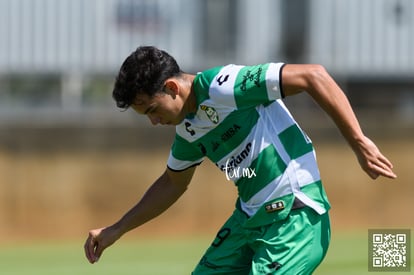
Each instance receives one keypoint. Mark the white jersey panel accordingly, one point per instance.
(222, 90)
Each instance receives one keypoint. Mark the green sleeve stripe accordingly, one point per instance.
(294, 142)
(267, 166)
(229, 134)
(250, 87)
(184, 150)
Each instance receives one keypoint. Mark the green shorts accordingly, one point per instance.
(296, 245)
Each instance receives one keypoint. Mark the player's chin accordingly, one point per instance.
(175, 122)
(169, 123)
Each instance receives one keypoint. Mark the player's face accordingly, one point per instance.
(162, 108)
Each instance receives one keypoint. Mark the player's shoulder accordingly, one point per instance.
(218, 73)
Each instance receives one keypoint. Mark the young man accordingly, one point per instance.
(234, 116)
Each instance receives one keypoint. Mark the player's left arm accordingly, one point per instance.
(317, 82)
(163, 193)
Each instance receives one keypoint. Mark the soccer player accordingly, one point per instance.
(234, 116)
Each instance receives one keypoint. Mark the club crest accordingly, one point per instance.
(211, 113)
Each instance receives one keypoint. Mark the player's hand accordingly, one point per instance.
(97, 241)
(372, 161)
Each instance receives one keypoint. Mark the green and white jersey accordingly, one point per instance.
(243, 127)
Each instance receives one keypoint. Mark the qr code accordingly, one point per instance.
(389, 250)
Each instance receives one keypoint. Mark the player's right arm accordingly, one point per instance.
(158, 198)
(317, 82)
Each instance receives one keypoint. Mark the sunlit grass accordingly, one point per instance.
(348, 255)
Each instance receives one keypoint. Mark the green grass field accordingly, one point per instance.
(347, 255)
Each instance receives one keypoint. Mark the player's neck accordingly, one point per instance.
(191, 99)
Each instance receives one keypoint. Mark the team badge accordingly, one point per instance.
(211, 113)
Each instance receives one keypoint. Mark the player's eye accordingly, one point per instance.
(153, 110)
(150, 110)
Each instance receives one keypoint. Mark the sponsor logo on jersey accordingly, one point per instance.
(221, 80)
(234, 161)
(189, 129)
(211, 113)
(251, 77)
(214, 145)
(227, 135)
(232, 166)
(274, 206)
(202, 148)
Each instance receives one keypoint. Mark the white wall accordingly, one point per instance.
(363, 37)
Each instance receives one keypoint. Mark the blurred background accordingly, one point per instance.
(71, 161)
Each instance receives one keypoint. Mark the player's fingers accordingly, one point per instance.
(383, 161)
(87, 251)
(389, 174)
(374, 163)
(387, 167)
(98, 251)
(380, 169)
(89, 247)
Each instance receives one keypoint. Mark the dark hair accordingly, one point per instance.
(143, 72)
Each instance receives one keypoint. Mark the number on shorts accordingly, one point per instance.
(221, 236)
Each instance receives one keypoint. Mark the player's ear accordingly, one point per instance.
(171, 87)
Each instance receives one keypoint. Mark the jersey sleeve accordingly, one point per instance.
(259, 84)
(242, 86)
(184, 154)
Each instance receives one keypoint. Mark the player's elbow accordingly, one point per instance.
(317, 78)
(316, 74)
(303, 77)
